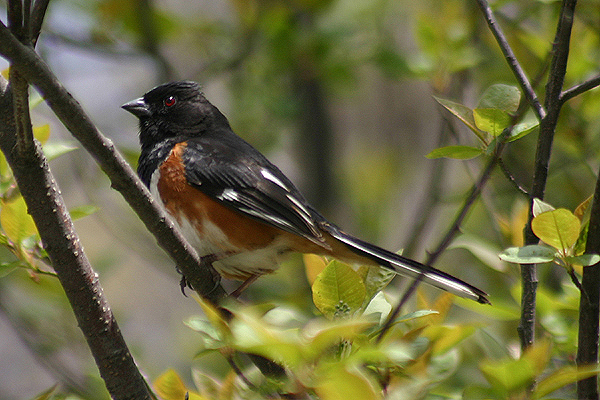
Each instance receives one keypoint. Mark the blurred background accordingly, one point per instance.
(340, 95)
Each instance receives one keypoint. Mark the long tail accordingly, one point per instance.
(407, 267)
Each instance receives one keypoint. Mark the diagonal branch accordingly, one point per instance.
(38, 12)
(579, 89)
(203, 278)
(78, 279)
(513, 63)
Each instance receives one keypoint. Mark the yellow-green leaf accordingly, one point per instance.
(491, 120)
(170, 386)
(558, 228)
(15, 221)
(42, 133)
(337, 382)
(321, 337)
(445, 337)
(251, 334)
(562, 377)
(313, 265)
(515, 375)
(463, 113)
(523, 129)
(215, 317)
(338, 291)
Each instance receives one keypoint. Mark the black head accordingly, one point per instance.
(171, 110)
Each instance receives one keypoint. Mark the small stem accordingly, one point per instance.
(579, 89)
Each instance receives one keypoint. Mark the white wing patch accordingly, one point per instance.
(268, 175)
(228, 195)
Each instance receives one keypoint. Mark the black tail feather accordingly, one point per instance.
(407, 267)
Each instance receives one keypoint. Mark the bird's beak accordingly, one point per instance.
(137, 107)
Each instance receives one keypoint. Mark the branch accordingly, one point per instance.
(558, 67)
(589, 305)
(513, 63)
(78, 279)
(203, 278)
(37, 18)
(579, 89)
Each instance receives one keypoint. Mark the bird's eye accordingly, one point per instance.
(170, 101)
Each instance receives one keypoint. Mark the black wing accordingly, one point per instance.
(235, 174)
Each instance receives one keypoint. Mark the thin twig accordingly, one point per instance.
(239, 372)
(512, 59)
(38, 13)
(579, 89)
(511, 178)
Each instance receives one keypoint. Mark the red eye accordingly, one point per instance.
(170, 101)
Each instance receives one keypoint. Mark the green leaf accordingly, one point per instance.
(83, 211)
(322, 336)
(57, 149)
(501, 97)
(584, 260)
(211, 336)
(338, 291)
(7, 268)
(456, 152)
(15, 221)
(562, 377)
(491, 120)
(532, 254)
(444, 337)
(375, 279)
(558, 228)
(463, 113)
(522, 129)
(508, 376)
(252, 335)
(170, 386)
(391, 62)
(338, 382)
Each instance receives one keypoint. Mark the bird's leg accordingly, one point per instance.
(208, 259)
(236, 293)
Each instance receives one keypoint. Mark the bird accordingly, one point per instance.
(236, 207)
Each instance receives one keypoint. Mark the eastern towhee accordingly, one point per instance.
(234, 205)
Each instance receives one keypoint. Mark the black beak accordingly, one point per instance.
(137, 107)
